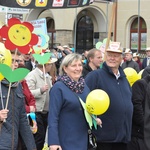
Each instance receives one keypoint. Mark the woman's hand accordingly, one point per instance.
(32, 108)
(55, 147)
(3, 114)
(44, 88)
(99, 122)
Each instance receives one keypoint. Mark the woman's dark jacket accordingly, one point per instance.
(138, 99)
(16, 121)
(141, 103)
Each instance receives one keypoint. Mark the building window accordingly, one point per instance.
(138, 41)
(84, 34)
(51, 32)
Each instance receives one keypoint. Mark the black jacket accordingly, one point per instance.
(16, 121)
(86, 69)
(147, 117)
(138, 99)
(131, 64)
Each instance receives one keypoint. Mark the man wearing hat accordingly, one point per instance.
(146, 60)
(129, 61)
(40, 82)
(117, 120)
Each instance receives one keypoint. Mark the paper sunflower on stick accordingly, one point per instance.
(19, 37)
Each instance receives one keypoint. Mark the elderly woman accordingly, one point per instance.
(67, 127)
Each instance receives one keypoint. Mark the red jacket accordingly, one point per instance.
(29, 98)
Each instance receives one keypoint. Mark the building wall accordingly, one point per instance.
(101, 13)
(127, 11)
(64, 37)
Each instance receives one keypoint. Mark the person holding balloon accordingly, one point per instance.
(67, 126)
(117, 120)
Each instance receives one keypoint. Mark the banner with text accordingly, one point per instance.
(47, 4)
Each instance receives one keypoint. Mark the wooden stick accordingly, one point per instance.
(8, 94)
(1, 96)
(10, 82)
(44, 74)
(110, 27)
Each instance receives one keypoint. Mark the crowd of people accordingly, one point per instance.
(54, 91)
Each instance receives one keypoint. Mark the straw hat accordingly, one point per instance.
(148, 49)
(52, 60)
(135, 55)
(114, 47)
(114, 50)
(128, 51)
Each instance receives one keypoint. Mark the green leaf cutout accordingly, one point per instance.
(94, 121)
(13, 75)
(42, 59)
(87, 115)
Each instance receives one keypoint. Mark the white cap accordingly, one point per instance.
(148, 49)
(135, 55)
(128, 51)
(52, 60)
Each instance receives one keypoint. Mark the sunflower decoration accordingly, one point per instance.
(19, 35)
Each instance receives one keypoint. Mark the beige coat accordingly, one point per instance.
(35, 81)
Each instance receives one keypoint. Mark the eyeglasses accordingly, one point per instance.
(16, 60)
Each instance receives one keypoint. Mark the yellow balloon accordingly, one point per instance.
(140, 73)
(131, 75)
(5, 57)
(97, 102)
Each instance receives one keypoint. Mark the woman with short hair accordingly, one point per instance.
(67, 126)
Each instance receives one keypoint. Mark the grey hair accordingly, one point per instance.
(68, 60)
